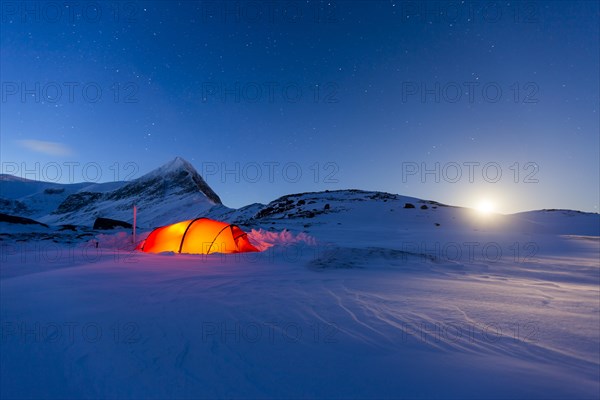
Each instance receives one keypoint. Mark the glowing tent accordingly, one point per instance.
(198, 236)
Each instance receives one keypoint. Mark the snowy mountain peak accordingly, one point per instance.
(166, 194)
(182, 174)
(172, 192)
(176, 164)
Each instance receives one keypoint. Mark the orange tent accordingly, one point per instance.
(198, 236)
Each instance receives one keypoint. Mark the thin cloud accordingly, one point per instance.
(44, 147)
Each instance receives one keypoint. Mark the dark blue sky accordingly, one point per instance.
(353, 94)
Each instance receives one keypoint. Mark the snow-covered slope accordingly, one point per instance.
(563, 221)
(170, 193)
(35, 199)
(343, 210)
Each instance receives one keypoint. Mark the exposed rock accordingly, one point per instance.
(107, 223)
(77, 202)
(13, 219)
(54, 190)
(13, 206)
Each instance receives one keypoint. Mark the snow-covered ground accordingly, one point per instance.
(360, 299)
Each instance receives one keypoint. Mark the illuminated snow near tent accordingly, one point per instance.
(198, 236)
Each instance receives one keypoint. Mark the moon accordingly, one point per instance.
(485, 207)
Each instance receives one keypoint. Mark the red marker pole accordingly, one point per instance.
(134, 221)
